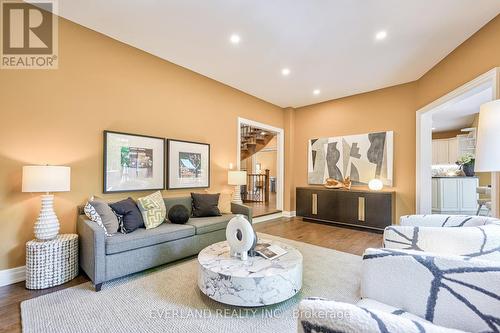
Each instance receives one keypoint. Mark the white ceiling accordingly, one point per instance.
(461, 114)
(327, 44)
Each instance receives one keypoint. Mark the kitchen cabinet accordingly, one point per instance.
(445, 151)
(454, 195)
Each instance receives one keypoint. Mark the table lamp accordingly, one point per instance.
(237, 178)
(46, 178)
(488, 137)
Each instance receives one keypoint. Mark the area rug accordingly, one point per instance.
(167, 299)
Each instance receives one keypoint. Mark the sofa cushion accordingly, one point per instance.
(204, 225)
(205, 205)
(132, 218)
(146, 237)
(153, 209)
(185, 201)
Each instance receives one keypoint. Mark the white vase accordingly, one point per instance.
(47, 224)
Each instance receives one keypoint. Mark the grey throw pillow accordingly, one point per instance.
(205, 205)
(108, 217)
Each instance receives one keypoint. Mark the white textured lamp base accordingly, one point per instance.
(237, 195)
(47, 224)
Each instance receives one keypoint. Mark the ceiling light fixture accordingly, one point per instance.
(235, 39)
(381, 35)
(316, 92)
(285, 71)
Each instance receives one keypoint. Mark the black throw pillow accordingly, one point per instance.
(205, 205)
(178, 214)
(132, 218)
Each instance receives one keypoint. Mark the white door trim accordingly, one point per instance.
(280, 166)
(424, 137)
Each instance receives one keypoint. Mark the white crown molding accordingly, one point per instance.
(12, 275)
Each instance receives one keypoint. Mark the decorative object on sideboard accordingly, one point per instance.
(466, 163)
(237, 178)
(335, 184)
(488, 136)
(46, 178)
(188, 164)
(133, 162)
(375, 184)
(361, 157)
(240, 237)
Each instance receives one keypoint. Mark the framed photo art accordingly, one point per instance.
(133, 162)
(188, 164)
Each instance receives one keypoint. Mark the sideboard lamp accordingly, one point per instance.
(375, 184)
(237, 178)
(488, 136)
(46, 178)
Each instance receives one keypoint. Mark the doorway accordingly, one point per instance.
(442, 151)
(261, 154)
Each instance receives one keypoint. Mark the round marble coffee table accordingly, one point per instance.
(254, 282)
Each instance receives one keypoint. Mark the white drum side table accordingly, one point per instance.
(51, 263)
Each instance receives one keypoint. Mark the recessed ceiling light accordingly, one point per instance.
(285, 71)
(316, 92)
(235, 39)
(381, 35)
(433, 128)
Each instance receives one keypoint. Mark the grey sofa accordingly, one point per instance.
(105, 258)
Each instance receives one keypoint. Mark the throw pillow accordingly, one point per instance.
(153, 209)
(178, 214)
(132, 218)
(108, 217)
(93, 216)
(225, 199)
(205, 205)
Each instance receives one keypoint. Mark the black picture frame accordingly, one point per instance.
(105, 184)
(169, 164)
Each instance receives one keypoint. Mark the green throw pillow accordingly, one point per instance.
(153, 209)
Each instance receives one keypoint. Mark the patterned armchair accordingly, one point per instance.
(436, 273)
(412, 291)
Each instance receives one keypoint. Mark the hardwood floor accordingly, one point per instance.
(341, 239)
(326, 235)
(264, 208)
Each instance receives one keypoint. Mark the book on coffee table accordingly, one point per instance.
(269, 251)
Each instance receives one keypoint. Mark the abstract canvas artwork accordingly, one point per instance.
(362, 157)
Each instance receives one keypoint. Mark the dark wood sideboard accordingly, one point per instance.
(355, 207)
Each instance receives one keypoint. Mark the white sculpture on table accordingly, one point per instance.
(240, 237)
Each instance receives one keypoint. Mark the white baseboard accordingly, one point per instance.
(12, 275)
(289, 213)
(267, 217)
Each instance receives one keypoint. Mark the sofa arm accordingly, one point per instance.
(242, 209)
(92, 249)
(440, 220)
(450, 291)
(330, 316)
(475, 242)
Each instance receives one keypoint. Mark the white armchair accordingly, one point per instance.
(437, 273)
(441, 220)
(470, 236)
(413, 291)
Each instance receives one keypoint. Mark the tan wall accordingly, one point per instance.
(57, 117)
(391, 109)
(267, 160)
(394, 109)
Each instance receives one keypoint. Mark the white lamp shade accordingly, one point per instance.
(237, 177)
(488, 138)
(46, 178)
